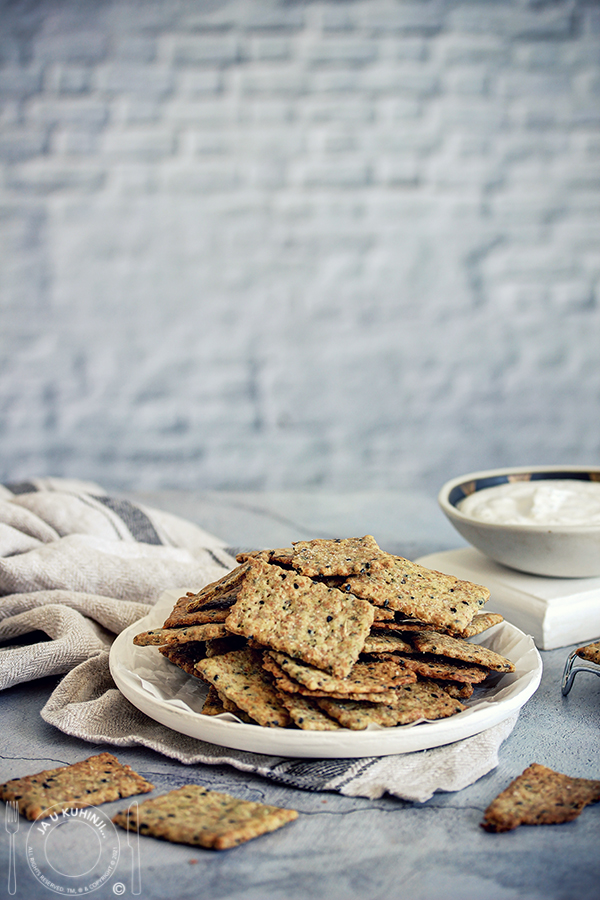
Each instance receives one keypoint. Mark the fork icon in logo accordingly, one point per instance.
(133, 842)
(11, 823)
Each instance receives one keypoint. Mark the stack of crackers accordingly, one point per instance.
(331, 634)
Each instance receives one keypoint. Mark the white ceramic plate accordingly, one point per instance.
(169, 696)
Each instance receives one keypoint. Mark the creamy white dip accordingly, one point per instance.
(544, 502)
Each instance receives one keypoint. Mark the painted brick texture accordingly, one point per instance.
(324, 244)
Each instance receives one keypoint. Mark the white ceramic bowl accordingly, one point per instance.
(564, 551)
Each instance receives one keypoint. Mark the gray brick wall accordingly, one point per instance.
(265, 244)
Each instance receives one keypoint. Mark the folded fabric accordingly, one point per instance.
(77, 566)
(88, 705)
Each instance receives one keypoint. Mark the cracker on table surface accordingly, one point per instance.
(423, 700)
(364, 677)
(199, 817)
(338, 557)
(310, 621)
(540, 796)
(590, 652)
(459, 649)
(95, 780)
(184, 656)
(307, 714)
(440, 600)
(239, 675)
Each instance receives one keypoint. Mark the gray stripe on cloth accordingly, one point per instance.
(20, 487)
(136, 521)
(321, 775)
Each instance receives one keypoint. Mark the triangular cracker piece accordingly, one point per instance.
(540, 796)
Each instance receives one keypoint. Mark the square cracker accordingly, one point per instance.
(540, 796)
(240, 677)
(307, 714)
(338, 557)
(424, 594)
(440, 668)
(289, 612)
(459, 649)
(365, 677)
(202, 818)
(95, 780)
(158, 636)
(423, 700)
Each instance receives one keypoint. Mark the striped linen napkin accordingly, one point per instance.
(77, 566)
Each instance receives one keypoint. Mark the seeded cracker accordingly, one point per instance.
(424, 700)
(456, 648)
(219, 646)
(184, 656)
(193, 815)
(212, 611)
(342, 557)
(440, 600)
(307, 620)
(285, 685)
(217, 590)
(307, 714)
(386, 643)
(280, 557)
(540, 796)
(481, 622)
(95, 780)
(241, 678)
(591, 652)
(365, 677)
(159, 636)
(438, 667)
(213, 705)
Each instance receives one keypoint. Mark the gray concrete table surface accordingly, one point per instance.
(342, 848)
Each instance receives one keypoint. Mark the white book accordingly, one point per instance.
(556, 612)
